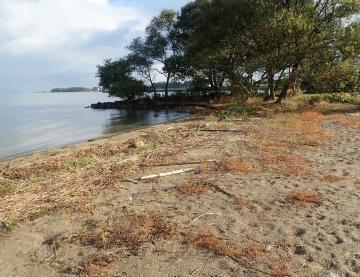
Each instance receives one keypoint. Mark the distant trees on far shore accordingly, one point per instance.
(228, 47)
(75, 89)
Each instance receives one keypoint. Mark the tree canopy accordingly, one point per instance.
(232, 46)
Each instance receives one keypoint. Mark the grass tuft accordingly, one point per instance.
(195, 188)
(307, 197)
(235, 165)
(131, 230)
(332, 178)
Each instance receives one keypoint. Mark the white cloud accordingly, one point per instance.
(42, 41)
(34, 25)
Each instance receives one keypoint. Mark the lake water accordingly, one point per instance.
(32, 122)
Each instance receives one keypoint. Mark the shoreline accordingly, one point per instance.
(78, 142)
(99, 139)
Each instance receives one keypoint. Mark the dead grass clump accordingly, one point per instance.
(285, 164)
(195, 188)
(97, 264)
(278, 270)
(6, 187)
(332, 178)
(305, 196)
(254, 251)
(131, 230)
(235, 165)
(312, 131)
(311, 116)
(210, 242)
(270, 160)
(36, 169)
(103, 150)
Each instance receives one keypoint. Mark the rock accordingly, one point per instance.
(3, 225)
(300, 250)
(300, 232)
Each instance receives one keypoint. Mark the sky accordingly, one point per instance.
(58, 43)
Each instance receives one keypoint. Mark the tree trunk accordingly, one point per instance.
(167, 85)
(278, 80)
(271, 91)
(288, 84)
(153, 88)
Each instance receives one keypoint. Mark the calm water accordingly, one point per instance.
(32, 122)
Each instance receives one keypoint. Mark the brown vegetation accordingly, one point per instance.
(131, 230)
(279, 270)
(235, 165)
(332, 178)
(195, 187)
(285, 164)
(211, 242)
(97, 264)
(345, 121)
(305, 196)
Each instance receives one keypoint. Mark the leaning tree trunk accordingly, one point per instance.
(291, 81)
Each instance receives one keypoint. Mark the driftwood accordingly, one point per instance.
(221, 130)
(205, 214)
(223, 191)
(164, 174)
(182, 163)
(130, 181)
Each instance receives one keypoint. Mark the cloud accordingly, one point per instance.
(47, 43)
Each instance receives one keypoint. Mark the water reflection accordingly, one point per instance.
(57, 120)
(126, 119)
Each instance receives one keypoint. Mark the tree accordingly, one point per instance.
(116, 79)
(310, 27)
(140, 57)
(161, 44)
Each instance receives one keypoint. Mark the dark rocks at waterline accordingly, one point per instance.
(107, 105)
(145, 104)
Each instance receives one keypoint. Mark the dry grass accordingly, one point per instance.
(332, 178)
(131, 230)
(305, 127)
(195, 188)
(235, 165)
(306, 197)
(345, 121)
(312, 131)
(211, 242)
(96, 265)
(240, 201)
(254, 251)
(285, 164)
(279, 270)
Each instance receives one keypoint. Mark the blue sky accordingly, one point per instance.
(58, 43)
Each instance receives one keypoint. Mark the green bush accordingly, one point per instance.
(243, 109)
(342, 98)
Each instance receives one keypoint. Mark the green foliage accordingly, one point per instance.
(117, 80)
(6, 226)
(342, 98)
(229, 47)
(242, 109)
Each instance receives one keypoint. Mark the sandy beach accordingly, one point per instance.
(272, 194)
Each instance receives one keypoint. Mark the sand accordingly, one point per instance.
(282, 199)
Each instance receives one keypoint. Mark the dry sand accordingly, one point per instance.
(281, 200)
